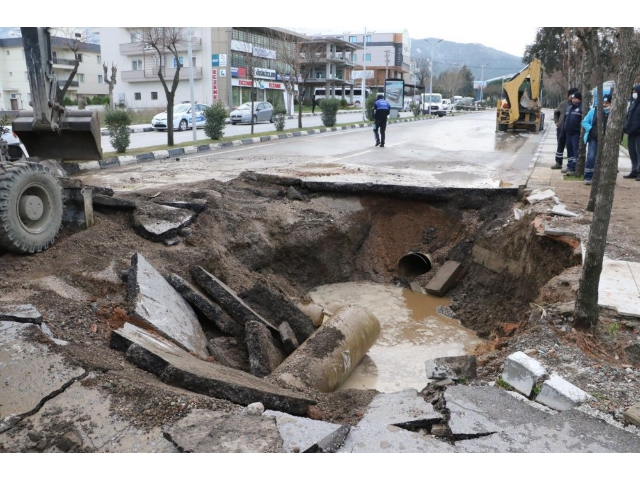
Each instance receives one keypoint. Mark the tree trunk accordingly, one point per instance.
(586, 311)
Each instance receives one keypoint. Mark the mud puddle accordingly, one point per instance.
(412, 332)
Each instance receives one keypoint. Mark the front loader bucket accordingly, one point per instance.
(79, 138)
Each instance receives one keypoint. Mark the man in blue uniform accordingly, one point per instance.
(381, 111)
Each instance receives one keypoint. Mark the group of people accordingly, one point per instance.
(568, 119)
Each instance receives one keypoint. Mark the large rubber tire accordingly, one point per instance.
(182, 126)
(31, 207)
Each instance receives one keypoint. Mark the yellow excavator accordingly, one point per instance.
(35, 196)
(521, 108)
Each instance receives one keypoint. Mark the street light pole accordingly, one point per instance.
(364, 77)
(433, 46)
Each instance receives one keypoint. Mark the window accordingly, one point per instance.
(154, 95)
(368, 39)
(121, 98)
(136, 64)
(137, 96)
(353, 38)
(79, 56)
(367, 57)
(81, 77)
(100, 79)
(54, 56)
(175, 62)
(8, 52)
(193, 61)
(354, 57)
(99, 57)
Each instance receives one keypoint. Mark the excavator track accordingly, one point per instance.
(31, 207)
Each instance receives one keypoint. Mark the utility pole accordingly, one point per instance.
(482, 81)
(433, 47)
(193, 103)
(364, 76)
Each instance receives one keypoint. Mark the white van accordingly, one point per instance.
(431, 102)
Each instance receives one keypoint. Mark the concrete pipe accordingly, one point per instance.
(325, 360)
(414, 264)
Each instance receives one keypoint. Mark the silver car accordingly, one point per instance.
(262, 112)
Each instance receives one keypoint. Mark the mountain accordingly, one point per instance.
(454, 55)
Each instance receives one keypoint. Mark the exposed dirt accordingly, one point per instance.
(252, 233)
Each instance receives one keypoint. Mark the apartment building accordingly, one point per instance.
(222, 60)
(15, 93)
(382, 55)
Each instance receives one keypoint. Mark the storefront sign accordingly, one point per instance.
(264, 73)
(219, 60)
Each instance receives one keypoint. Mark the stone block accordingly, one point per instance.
(560, 395)
(444, 279)
(632, 415)
(522, 372)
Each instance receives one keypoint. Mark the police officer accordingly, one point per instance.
(381, 111)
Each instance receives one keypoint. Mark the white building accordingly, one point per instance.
(15, 93)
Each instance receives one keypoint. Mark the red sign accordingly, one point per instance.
(275, 85)
(244, 83)
(214, 77)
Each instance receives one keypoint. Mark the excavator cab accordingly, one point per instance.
(521, 107)
(52, 131)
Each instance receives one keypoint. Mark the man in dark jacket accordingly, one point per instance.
(632, 129)
(571, 126)
(381, 111)
(558, 119)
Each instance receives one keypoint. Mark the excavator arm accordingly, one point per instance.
(515, 104)
(51, 130)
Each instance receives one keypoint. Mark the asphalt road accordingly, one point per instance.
(458, 152)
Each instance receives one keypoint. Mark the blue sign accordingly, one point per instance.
(215, 60)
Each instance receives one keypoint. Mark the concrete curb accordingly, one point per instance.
(118, 161)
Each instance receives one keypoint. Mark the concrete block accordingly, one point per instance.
(560, 395)
(522, 372)
(444, 279)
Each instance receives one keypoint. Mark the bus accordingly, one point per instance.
(320, 93)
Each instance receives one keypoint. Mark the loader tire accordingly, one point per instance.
(31, 207)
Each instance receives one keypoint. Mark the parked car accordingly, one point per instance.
(16, 149)
(182, 118)
(262, 112)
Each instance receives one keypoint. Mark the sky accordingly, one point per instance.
(505, 26)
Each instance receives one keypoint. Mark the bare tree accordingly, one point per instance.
(289, 62)
(111, 81)
(586, 311)
(73, 38)
(450, 81)
(422, 70)
(167, 40)
(251, 62)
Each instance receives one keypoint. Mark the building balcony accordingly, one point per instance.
(63, 64)
(137, 48)
(151, 74)
(73, 86)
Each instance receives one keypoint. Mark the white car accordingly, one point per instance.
(181, 118)
(15, 147)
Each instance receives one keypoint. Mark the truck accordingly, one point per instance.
(35, 196)
(431, 103)
(446, 107)
(521, 107)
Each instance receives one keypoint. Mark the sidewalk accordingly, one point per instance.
(620, 280)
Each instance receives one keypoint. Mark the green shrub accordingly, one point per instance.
(368, 104)
(118, 120)
(343, 103)
(279, 117)
(329, 107)
(415, 109)
(215, 120)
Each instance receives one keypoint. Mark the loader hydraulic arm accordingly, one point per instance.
(533, 72)
(42, 82)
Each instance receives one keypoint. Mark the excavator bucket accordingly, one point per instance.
(79, 137)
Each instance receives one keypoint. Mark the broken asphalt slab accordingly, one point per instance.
(306, 435)
(155, 303)
(176, 367)
(159, 222)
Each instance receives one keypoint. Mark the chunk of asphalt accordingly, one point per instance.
(277, 308)
(378, 431)
(288, 338)
(154, 302)
(198, 300)
(463, 366)
(301, 434)
(113, 202)
(33, 368)
(230, 352)
(197, 206)
(227, 298)
(264, 354)
(203, 431)
(158, 222)
(176, 367)
(26, 313)
(332, 442)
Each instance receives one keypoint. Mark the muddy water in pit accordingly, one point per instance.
(411, 332)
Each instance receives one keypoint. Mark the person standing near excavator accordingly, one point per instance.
(572, 124)
(632, 129)
(558, 119)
